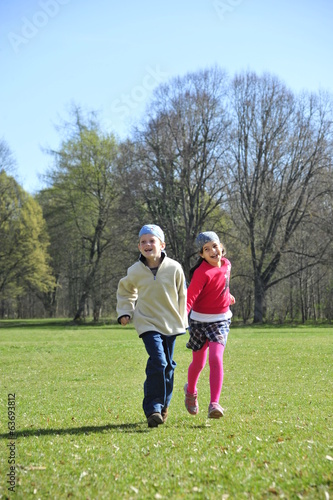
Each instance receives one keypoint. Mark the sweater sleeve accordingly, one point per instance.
(196, 286)
(182, 294)
(127, 295)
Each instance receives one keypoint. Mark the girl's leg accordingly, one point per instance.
(195, 368)
(216, 370)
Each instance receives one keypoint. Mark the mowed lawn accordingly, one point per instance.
(80, 431)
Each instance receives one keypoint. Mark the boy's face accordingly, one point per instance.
(150, 246)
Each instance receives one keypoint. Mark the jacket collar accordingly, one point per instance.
(144, 260)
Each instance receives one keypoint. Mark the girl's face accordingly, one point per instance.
(212, 253)
(150, 246)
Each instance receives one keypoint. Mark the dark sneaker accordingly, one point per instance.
(164, 414)
(155, 419)
(215, 411)
(191, 402)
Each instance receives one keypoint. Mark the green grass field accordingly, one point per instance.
(80, 431)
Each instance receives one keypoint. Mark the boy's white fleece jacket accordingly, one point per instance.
(156, 303)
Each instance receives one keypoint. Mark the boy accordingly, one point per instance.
(154, 293)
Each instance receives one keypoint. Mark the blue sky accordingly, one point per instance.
(107, 56)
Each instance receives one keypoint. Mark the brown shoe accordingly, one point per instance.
(155, 419)
(164, 414)
(191, 401)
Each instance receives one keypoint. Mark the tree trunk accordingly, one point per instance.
(49, 299)
(80, 313)
(97, 312)
(259, 301)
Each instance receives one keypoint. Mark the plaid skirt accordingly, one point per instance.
(213, 332)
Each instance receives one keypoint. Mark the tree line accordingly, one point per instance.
(243, 156)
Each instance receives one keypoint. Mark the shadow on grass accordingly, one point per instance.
(92, 429)
(37, 324)
(136, 428)
(56, 324)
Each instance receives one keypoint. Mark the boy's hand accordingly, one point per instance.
(124, 320)
(232, 300)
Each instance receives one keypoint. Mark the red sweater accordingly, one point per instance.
(208, 292)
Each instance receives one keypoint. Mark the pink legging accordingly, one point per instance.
(216, 369)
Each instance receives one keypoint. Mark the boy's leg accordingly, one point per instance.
(154, 385)
(216, 351)
(169, 347)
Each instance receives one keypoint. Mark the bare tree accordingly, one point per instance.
(282, 158)
(182, 155)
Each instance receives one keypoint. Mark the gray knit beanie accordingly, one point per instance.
(204, 238)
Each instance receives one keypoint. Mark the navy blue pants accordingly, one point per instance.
(160, 369)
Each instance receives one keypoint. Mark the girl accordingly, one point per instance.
(208, 299)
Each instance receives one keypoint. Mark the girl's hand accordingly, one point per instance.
(232, 300)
